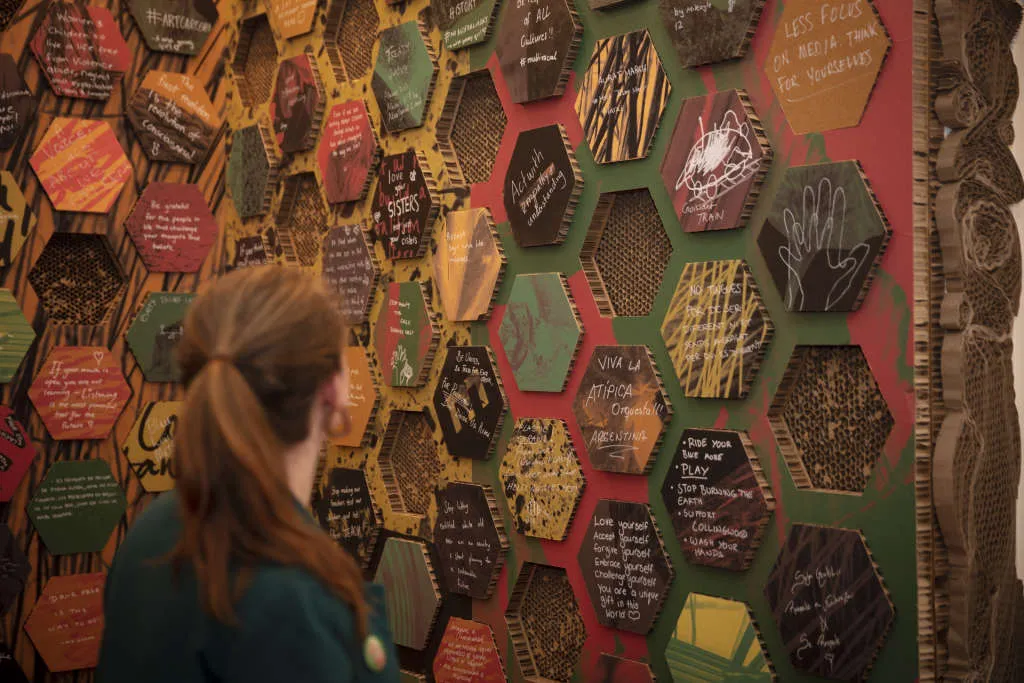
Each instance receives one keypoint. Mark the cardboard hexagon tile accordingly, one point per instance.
(469, 538)
(403, 77)
(80, 392)
(14, 570)
(468, 264)
(292, 18)
(405, 205)
(537, 45)
(77, 278)
(349, 268)
(716, 639)
(173, 117)
(348, 152)
(16, 336)
(149, 446)
(297, 105)
(405, 336)
(155, 332)
(81, 165)
(704, 32)
(363, 397)
(465, 22)
(172, 227)
(67, 622)
(16, 217)
(252, 171)
(19, 103)
(468, 654)
(413, 599)
(17, 452)
(181, 28)
(10, 671)
(469, 402)
(77, 506)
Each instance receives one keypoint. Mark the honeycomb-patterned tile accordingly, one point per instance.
(255, 60)
(544, 623)
(76, 278)
(471, 128)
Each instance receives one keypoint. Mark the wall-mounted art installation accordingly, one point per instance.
(544, 623)
(349, 36)
(537, 45)
(830, 605)
(172, 227)
(464, 23)
(468, 654)
(716, 161)
(66, 623)
(250, 251)
(362, 398)
(471, 128)
(810, 39)
(716, 329)
(76, 507)
(17, 453)
(255, 60)
(469, 402)
(251, 171)
(173, 117)
(81, 165)
(349, 268)
(717, 498)
(612, 669)
(10, 672)
(404, 75)
(181, 29)
(16, 336)
(79, 392)
(409, 462)
(622, 409)
(625, 567)
(705, 32)
(716, 639)
(413, 598)
(405, 205)
(80, 50)
(149, 446)
(824, 237)
(541, 478)
(346, 511)
(542, 187)
(348, 152)
(405, 336)
(77, 278)
(830, 419)
(298, 103)
(17, 103)
(622, 96)
(541, 332)
(470, 539)
(292, 18)
(468, 264)
(301, 223)
(14, 570)
(154, 334)
(16, 217)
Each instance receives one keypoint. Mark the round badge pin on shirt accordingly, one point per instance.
(374, 654)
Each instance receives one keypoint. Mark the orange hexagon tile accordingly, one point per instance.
(67, 622)
(362, 397)
(468, 264)
(16, 218)
(81, 165)
(173, 117)
(149, 445)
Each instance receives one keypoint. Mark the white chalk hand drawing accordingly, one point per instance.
(821, 227)
(721, 160)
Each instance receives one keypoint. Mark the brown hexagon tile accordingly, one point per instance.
(349, 267)
(412, 598)
(348, 153)
(471, 128)
(537, 45)
(468, 653)
(404, 76)
(352, 27)
(251, 173)
(298, 103)
(180, 29)
(346, 510)
(149, 446)
(469, 402)
(717, 639)
(405, 205)
(81, 165)
(469, 263)
(173, 117)
(470, 539)
(172, 227)
(409, 462)
(66, 623)
(16, 218)
(301, 219)
(255, 60)
(709, 32)
(292, 18)
(405, 335)
(19, 103)
(544, 623)
(77, 278)
(363, 398)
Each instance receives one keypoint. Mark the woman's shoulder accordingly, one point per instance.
(277, 595)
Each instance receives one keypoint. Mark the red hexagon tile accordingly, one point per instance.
(180, 29)
(173, 117)
(77, 506)
(468, 654)
(172, 227)
(149, 446)
(537, 45)
(16, 336)
(470, 539)
(707, 32)
(81, 165)
(16, 218)
(405, 205)
(17, 452)
(19, 103)
(66, 623)
(297, 104)
(348, 152)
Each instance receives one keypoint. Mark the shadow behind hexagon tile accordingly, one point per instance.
(77, 506)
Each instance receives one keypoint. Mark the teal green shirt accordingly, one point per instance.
(290, 627)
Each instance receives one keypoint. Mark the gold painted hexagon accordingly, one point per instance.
(468, 264)
(149, 446)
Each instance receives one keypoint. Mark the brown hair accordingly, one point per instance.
(256, 348)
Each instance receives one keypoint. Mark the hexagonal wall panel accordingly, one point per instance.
(255, 60)
(625, 253)
(465, 23)
(252, 171)
(830, 605)
(709, 32)
(545, 624)
(81, 165)
(468, 654)
(301, 219)
(470, 539)
(346, 511)
(149, 446)
(173, 117)
(716, 639)
(403, 77)
(409, 462)
(349, 37)
(17, 452)
(155, 332)
(469, 402)
(14, 570)
(298, 103)
(80, 50)
(77, 506)
(362, 398)
(19, 103)
(541, 332)
(172, 227)
(471, 128)
(405, 336)
(537, 45)
(716, 329)
(76, 278)
(66, 623)
(292, 17)
(541, 478)
(348, 152)
(622, 409)
(624, 565)
(249, 251)
(79, 392)
(612, 669)
(716, 161)
(542, 187)
(350, 269)
(810, 39)
(468, 264)
(621, 97)
(16, 217)
(824, 237)
(830, 420)
(412, 597)
(405, 205)
(183, 30)
(16, 336)
(717, 498)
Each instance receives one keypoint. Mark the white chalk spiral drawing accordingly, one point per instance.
(722, 160)
(823, 218)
